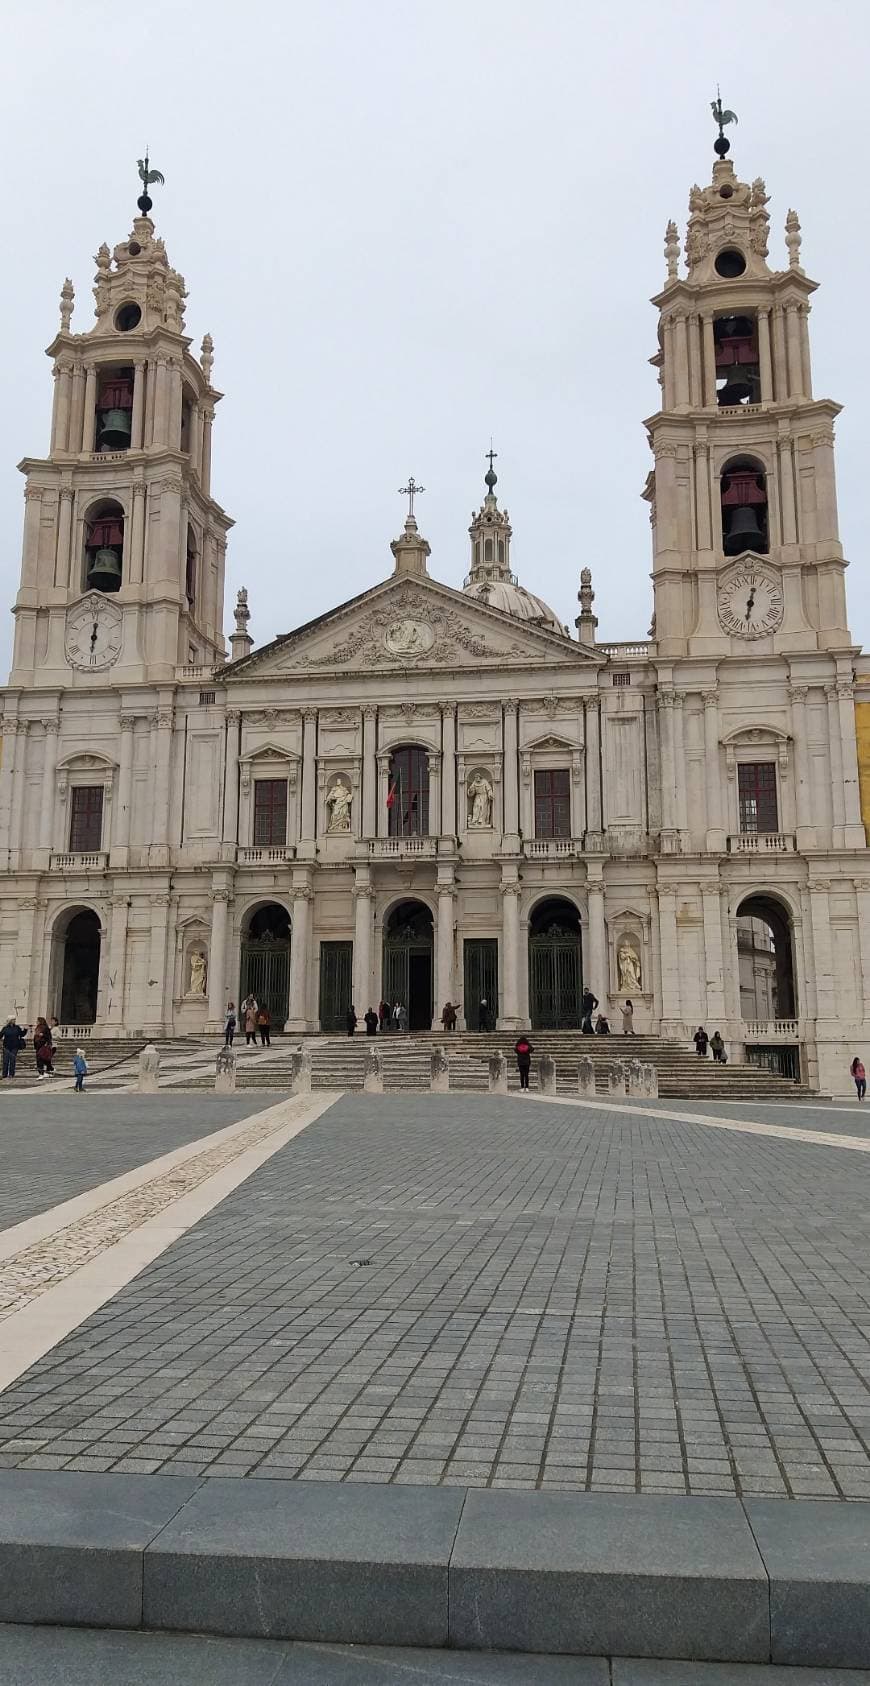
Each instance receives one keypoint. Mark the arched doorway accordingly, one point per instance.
(765, 958)
(407, 971)
(79, 967)
(555, 966)
(265, 961)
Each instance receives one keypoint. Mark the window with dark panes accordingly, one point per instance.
(86, 818)
(553, 803)
(270, 811)
(756, 787)
(408, 793)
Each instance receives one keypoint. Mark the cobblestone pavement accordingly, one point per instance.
(491, 1292)
(49, 1153)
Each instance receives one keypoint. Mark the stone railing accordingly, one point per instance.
(772, 1029)
(761, 843)
(550, 848)
(195, 670)
(739, 409)
(74, 1032)
(622, 652)
(272, 854)
(98, 861)
(385, 848)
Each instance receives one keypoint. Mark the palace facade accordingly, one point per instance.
(436, 794)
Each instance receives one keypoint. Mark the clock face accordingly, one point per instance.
(93, 633)
(750, 603)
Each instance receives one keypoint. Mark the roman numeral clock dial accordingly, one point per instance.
(750, 603)
(93, 633)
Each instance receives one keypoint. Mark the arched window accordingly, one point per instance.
(408, 794)
(744, 507)
(114, 409)
(104, 546)
(190, 570)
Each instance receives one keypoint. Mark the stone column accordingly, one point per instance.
(764, 356)
(709, 361)
(680, 762)
(218, 992)
(161, 740)
(363, 898)
(76, 411)
(511, 788)
(510, 1017)
(137, 533)
(820, 914)
(665, 705)
(89, 418)
(7, 785)
(150, 400)
(702, 497)
(121, 839)
(713, 773)
(64, 398)
(63, 571)
(780, 377)
(802, 797)
(370, 771)
(597, 971)
(669, 385)
(696, 385)
(49, 768)
(849, 757)
(786, 486)
(175, 401)
(836, 748)
(806, 361)
(593, 767)
(448, 773)
(444, 982)
(682, 361)
(231, 787)
(303, 895)
(194, 445)
(154, 988)
(383, 818)
(793, 345)
(435, 827)
(19, 789)
(308, 830)
(730, 965)
(137, 433)
(672, 1014)
(862, 904)
(30, 543)
(205, 472)
(115, 979)
(161, 400)
(713, 954)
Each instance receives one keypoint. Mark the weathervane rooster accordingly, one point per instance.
(147, 176)
(722, 117)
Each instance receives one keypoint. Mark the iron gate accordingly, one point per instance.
(265, 974)
(336, 985)
(480, 978)
(407, 969)
(554, 980)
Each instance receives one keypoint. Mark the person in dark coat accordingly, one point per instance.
(717, 1048)
(700, 1040)
(12, 1038)
(523, 1050)
(602, 1025)
(384, 1015)
(371, 1022)
(264, 1026)
(350, 1020)
(43, 1048)
(483, 1015)
(229, 1024)
(589, 1004)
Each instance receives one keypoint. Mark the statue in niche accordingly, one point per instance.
(480, 794)
(197, 973)
(338, 802)
(628, 967)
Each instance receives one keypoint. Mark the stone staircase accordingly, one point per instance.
(338, 1062)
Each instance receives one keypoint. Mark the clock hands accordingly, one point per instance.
(750, 603)
(95, 633)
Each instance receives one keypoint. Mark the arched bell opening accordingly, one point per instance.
(191, 569)
(738, 370)
(765, 956)
(187, 403)
(264, 971)
(407, 978)
(744, 507)
(555, 965)
(76, 966)
(114, 420)
(104, 547)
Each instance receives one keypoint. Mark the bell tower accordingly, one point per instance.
(746, 548)
(122, 576)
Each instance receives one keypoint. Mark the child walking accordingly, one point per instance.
(80, 1067)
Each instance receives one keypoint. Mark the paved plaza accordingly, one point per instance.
(476, 1292)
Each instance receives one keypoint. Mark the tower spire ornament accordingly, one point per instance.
(721, 144)
(411, 491)
(147, 176)
(490, 478)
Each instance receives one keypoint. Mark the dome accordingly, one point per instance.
(515, 600)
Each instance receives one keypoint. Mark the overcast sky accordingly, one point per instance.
(410, 226)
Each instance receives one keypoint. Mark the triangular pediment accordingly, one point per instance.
(407, 625)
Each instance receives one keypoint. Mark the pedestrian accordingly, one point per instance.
(483, 1015)
(860, 1077)
(602, 1025)
(43, 1049)
(350, 1021)
(249, 1019)
(229, 1024)
(371, 1022)
(384, 1016)
(628, 1019)
(717, 1048)
(700, 1040)
(523, 1050)
(80, 1067)
(12, 1038)
(264, 1025)
(400, 1017)
(448, 1016)
(589, 1004)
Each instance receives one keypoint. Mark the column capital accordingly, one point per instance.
(140, 490)
(221, 896)
(51, 726)
(798, 693)
(234, 715)
(309, 715)
(370, 711)
(711, 699)
(66, 494)
(33, 494)
(127, 722)
(665, 698)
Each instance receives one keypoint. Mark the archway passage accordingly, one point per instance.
(407, 970)
(81, 969)
(265, 961)
(555, 966)
(765, 955)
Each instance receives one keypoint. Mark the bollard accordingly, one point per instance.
(650, 1081)
(300, 1072)
(149, 1066)
(439, 1080)
(547, 1074)
(616, 1079)
(497, 1074)
(586, 1076)
(634, 1074)
(373, 1082)
(225, 1072)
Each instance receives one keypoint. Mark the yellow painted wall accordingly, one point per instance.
(862, 734)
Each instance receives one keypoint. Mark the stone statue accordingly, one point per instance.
(338, 802)
(480, 792)
(197, 973)
(628, 964)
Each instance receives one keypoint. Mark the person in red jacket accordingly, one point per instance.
(523, 1051)
(860, 1077)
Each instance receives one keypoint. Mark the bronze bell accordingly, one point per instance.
(743, 532)
(741, 387)
(104, 570)
(115, 429)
